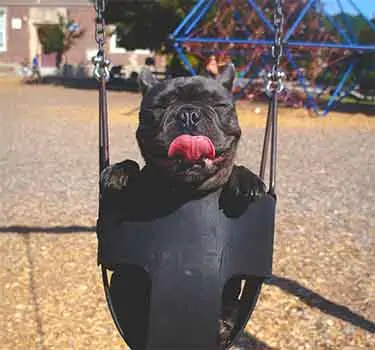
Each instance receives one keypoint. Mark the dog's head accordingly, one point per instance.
(188, 127)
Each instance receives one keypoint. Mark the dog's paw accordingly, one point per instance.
(242, 188)
(116, 177)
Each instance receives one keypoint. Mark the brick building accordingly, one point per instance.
(19, 21)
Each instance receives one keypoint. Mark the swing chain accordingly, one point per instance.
(100, 61)
(275, 77)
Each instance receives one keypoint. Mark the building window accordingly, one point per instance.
(3, 27)
(113, 45)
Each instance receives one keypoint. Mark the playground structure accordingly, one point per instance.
(328, 47)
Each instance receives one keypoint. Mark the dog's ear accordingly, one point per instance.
(226, 77)
(146, 80)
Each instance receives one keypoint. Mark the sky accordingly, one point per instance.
(366, 6)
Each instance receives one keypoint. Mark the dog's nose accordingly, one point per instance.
(188, 118)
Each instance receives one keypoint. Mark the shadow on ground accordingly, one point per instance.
(345, 108)
(313, 299)
(49, 229)
(131, 85)
(353, 108)
(308, 296)
(246, 341)
(115, 84)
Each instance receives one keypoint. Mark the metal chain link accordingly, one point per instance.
(100, 61)
(274, 85)
(275, 77)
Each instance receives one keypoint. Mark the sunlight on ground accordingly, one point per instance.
(298, 118)
(250, 114)
(288, 118)
(321, 295)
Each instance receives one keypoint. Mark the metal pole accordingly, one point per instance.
(266, 142)
(273, 87)
(198, 18)
(348, 24)
(103, 127)
(339, 29)
(302, 14)
(339, 87)
(184, 59)
(369, 22)
(261, 15)
(200, 40)
(101, 73)
(273, 160)
(302, 81)
(188, 17)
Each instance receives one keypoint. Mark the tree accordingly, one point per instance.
(367, 60)
(59, 38)
(146, 24)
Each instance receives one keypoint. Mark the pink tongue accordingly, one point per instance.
(192, 148)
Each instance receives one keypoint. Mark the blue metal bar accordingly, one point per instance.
(302, 81)
(188, 17)
(199, 16)
(218, 51)
(246, 70)
(339, 87)
(238, 19)
(347, 23)
(265, 58)
(240, 94)
(261, 15)
(332, 45)
(347, 91)
(339, 99)
(225, 41)
(184, 59)
(255, 73)
(324, 76)
(339, 29)
(369, 22)
(270, 42)
(302, 14)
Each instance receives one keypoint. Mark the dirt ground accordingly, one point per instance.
(322, 293)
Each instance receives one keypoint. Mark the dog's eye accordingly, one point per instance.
(223, 106)
(220, 105)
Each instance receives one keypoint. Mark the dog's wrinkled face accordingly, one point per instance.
(188, 127)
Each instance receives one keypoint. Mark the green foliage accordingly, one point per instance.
(358, 26)
(146, 24)
(58, 38)
(367, 35)
(367, 59)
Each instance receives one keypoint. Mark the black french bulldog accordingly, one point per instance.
(188, 135)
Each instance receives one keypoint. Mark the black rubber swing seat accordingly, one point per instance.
(174, 268)
(186, 257)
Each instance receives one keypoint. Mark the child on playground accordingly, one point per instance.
(214, 64)
(35, 68)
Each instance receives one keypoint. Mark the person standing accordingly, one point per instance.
(35, 68)
(212, 66)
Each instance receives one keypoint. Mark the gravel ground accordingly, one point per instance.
(321, 295)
